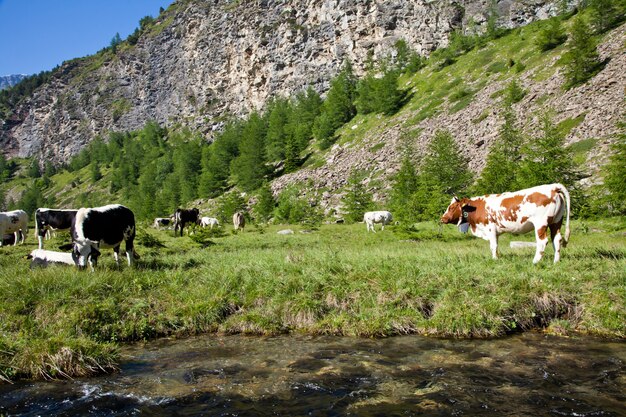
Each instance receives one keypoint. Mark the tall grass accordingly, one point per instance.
(61, 322)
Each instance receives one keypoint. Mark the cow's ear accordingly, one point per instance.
(466, 207)
(67, 246)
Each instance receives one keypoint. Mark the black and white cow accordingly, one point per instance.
(51, 219)
(184, 216)
(161, 222)
(103, 227)
(15, 222)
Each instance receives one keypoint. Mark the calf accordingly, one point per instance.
(103, 227)
(15, 222)
(47, 219)
(44, 258)
(182, 217)
(239, 221)
(209, 221)
(161, 222)
(372, 217)
(539, 208)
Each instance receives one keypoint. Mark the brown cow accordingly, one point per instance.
(539, 208)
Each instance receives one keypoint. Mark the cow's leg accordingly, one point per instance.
(130, 252)
(493, 245)
(542, 242)
(116, 254)
(555, 235)
(16, 237)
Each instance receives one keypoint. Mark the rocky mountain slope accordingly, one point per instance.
(589, 115)
(7, 81)
(201, 61)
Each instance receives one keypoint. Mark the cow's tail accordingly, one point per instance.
(563, 191)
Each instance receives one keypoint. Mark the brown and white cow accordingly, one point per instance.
(539, 208)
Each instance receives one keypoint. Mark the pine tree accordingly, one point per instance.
(338, 108)
(33, 169)
(249, 169)
(605, 15)
(582, 59)
(615, 180)
(405, 185)
(5, 171)
(115, 42)
(546, 159)
(264, 208)
(357, 199)
(500, 172)
(445, 165)
(444, 173)
(277, 129)
(551, 35)
(216, 160)
(514, 93)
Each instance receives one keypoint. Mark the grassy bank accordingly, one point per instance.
(59, 322)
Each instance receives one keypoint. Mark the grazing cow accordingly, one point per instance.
(103, 227)
(47, 219)
(239, 221)
(209, 221)
(43, 258)
(539, 208)
(15, 222)
(382, 217)
(8, 239)
(161, 222)
(184, 216)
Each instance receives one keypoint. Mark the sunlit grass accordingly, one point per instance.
(337, 280)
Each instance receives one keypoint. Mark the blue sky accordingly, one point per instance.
(37, 35)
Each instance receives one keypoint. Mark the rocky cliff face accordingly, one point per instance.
(203, 60)
(7, 81)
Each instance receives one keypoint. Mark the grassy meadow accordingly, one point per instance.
(62, 322)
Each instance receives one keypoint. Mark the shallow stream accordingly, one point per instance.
(524, 375)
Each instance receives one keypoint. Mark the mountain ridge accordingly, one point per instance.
(201, 62)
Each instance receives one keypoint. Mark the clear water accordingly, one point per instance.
(524, 375)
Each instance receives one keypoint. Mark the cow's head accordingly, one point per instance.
(84, 251)
(453, 213)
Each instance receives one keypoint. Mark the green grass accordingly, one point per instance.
(60, 322)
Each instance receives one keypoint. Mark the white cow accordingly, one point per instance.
(14, 222)
(43, 258)
(372, 217)
(209, 221)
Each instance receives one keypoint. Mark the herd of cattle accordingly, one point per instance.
(539, 208)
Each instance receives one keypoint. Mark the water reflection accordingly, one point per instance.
(529, 374)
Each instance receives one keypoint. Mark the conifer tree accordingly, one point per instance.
(615, 180)
(357, 199)
(266, 203)
(277, 129)
(216, 160)
(546, 159)
(551, 35)
(33, 169)
(249, 169)
(503, 159)
(443, 174)
(605, 14)
(338, 108)
(582, 59)
(405, 185)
